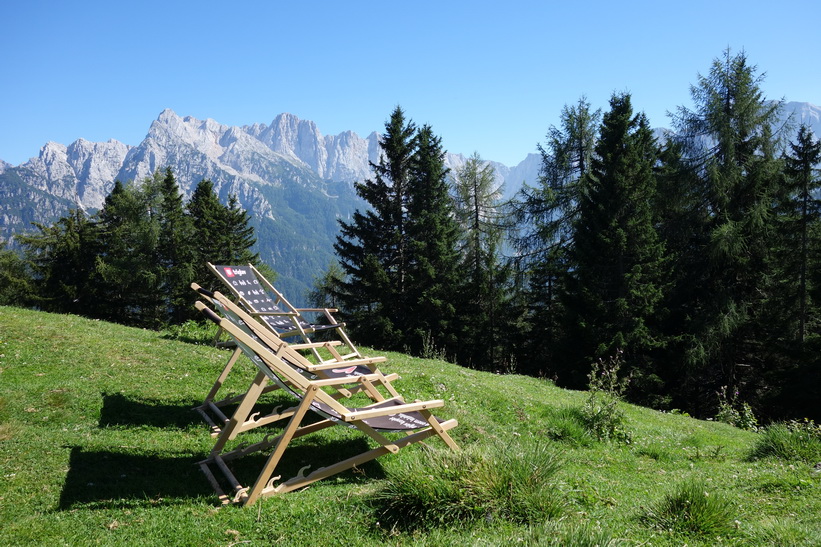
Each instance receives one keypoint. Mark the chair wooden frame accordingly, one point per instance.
(275, 364)
(212, 410)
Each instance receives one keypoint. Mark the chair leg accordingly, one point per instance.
(264, 479)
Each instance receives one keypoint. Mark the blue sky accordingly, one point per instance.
(489, 77)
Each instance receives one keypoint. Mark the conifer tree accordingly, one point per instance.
(130, 275)
(62, 258)
(223, 233)
(484, 309)
(16, 283)
(793, 287)
(175, 251)
(800, 223)
(433, 252)
(545, 215)
(729, 140)
(616, 280)
(240, 238)
(372, 247)
(205, 211)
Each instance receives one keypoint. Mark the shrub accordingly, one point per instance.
(600, 413)
(735, 412)
(568, 425)
(691, 509)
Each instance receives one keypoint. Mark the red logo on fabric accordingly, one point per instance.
(345, 370)
(229, 272)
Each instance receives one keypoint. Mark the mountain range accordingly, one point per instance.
(294, 181)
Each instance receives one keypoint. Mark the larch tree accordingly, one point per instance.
(485, 287)
(729, 140)
(545, 215)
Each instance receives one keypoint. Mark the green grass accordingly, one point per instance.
(98, 446)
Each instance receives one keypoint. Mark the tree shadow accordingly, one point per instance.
(121, 410)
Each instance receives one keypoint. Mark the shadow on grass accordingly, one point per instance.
(312, 452)
(107, 479)
(122, 410)
(110, 479)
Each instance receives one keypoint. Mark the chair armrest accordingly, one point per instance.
(310, 345)
(343, 380)
(344, 364)
(364, 414)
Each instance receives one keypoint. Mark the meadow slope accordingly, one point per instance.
(98, 446)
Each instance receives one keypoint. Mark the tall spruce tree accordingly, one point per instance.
(616, 280)
(433, 236)
(792, 313)
(372, 247)
(222, 233)
(206, 211)
(175, 251)
(799, 225)
(239, 234)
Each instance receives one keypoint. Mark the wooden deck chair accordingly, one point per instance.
(262, 300)
(211, 409)
(412, 421)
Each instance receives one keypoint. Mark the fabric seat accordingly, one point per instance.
(261, 299)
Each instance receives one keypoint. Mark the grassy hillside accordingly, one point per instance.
(98, 445)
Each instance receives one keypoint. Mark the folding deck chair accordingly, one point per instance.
(325, 369)
(262, 300)
(280, 364)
